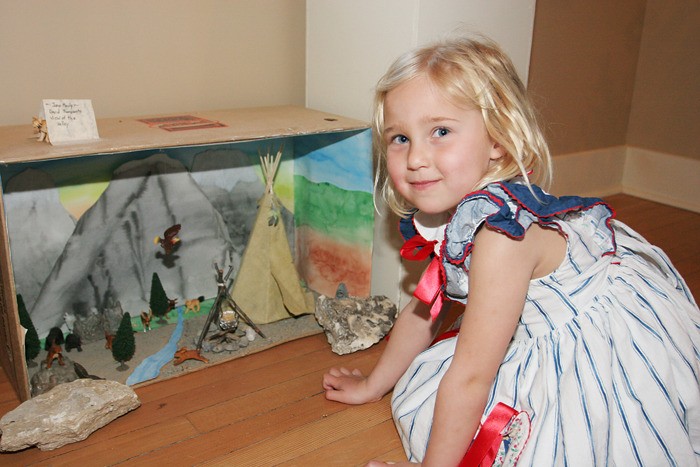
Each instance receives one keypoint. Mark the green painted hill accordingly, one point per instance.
(341, 214)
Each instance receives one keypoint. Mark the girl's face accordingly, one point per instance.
(436, 151)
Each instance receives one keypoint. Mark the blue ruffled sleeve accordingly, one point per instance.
(510, 208)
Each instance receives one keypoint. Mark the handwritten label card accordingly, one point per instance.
(70, 120)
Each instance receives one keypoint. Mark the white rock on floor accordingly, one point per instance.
(68, 413)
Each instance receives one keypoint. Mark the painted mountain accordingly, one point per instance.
(32, 198)
(111, 255)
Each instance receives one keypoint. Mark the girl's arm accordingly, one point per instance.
(412, 333)
(500, 271)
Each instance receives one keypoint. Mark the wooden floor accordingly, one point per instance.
(268, 409)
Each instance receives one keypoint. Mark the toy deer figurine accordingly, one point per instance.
(146, 319)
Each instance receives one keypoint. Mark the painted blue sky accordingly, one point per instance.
(346, 164)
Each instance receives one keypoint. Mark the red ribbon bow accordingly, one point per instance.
(417, 248)
(429, 287)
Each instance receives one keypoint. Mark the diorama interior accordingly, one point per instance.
(214, 233)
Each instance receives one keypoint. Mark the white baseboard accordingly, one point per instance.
(665, 178)
(652, 175)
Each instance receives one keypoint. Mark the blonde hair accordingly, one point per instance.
(474, 74)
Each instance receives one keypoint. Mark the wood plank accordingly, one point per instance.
(114, 450)
(269, 397)
(308, 437)
(240, 366)
(221, 442)
(238, 424)
(130, 445)
(356, 449)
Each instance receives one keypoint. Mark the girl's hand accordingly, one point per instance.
(349, 387)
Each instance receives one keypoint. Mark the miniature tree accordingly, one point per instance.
(124, 344)
(32, 344)
(158, 301)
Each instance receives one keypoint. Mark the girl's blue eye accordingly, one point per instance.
(440, 132)
(399, 139)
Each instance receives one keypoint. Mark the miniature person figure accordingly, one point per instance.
(579, 341)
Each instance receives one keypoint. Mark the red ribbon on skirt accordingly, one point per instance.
(484, 448)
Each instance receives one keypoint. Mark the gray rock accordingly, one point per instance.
(47, 378)
(352, 323)
(113, 317)
(90, 326)
(68, 413)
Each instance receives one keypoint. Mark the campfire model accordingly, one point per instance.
(225, 312)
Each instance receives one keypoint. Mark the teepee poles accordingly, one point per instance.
(269, 165)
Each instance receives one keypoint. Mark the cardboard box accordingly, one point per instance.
(75, 217)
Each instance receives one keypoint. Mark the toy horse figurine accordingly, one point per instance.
(54, 353)
(108, 340)
(184, 354)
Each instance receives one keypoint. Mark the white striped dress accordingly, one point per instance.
(606, 357)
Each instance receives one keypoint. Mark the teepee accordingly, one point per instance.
(267, 287)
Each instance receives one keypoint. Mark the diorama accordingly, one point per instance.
(138, 265)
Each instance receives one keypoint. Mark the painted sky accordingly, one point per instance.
(79, 198)
(343, 164)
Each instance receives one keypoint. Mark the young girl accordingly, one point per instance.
(579, 343)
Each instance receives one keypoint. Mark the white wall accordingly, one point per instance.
(350, 44)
